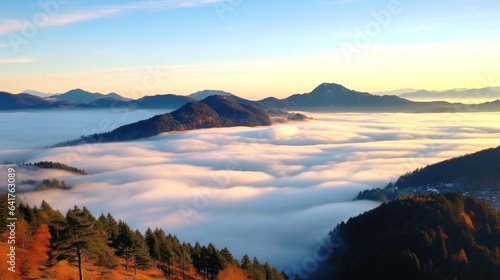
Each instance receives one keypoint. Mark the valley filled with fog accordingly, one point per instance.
(266, 191)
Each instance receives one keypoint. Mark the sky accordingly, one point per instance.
(251, 48)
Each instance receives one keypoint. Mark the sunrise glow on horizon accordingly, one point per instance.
(253, 49)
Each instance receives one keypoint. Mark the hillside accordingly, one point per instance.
(105, 103)
(77, 245)
(83, 96)
(328, 95)
(235, 114)
(479, 170)
(213, 111)
(53, 165)
(435, 236)
(10, 101)
(200, 95)
(36, 93)
(476, 174)
(165, 101)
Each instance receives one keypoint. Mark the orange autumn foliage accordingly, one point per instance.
(41, 244)
(468, 221)
(232, 272)
(422, 199)
(460, 257)
(31, 252)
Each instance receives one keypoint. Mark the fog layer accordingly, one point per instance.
(266, 191)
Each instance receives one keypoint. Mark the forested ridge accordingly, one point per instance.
(213, 111)
(432, 236)
(478, 170)
(50, 245)
(53, 165)
(477, 174)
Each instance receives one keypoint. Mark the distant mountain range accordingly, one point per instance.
(36, 93)
(481, 94)
(397, 92)
(327, 97)
(10, 101)
(80, 95)
(213, 111)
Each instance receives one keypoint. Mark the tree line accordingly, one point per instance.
(48, 237)
(430, 236)
(54, 165)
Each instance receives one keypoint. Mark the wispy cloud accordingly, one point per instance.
(12, 25)
(16, 60)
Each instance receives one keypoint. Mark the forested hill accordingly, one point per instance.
(213, 111)
(476, 171)
(435, 236)
(50, 245)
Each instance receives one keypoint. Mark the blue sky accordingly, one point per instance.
(252, 48)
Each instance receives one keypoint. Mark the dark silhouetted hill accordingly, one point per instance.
(82, 96)
(436, 236)
(200, 95)
(213, 111)
(161, 101)
(78, 95)
(10, 101)
(105, 103)
(234, 114)
(478, 170)
(333, 96)
(275, 103)
(36, 93)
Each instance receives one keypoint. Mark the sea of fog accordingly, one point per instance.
(270, 191)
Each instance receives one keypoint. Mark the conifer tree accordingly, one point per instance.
(142, 259)
(80, 238)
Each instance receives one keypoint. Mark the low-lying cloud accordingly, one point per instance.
(266, 191)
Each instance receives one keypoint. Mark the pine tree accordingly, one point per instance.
(216, 262)
(142, 259)
(78, 237)
(53, 218)
(165, 253)
(257, 272)
(152, 242)
(246, 263)
(28, 213)
(227, 256)
(271, 272)
(110, 225)
(196, 257)
(124, 243)
(185, 260)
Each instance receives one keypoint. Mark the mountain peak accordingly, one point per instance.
(200, 95)
(330, 85)
(36, 93)
(78, 90)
